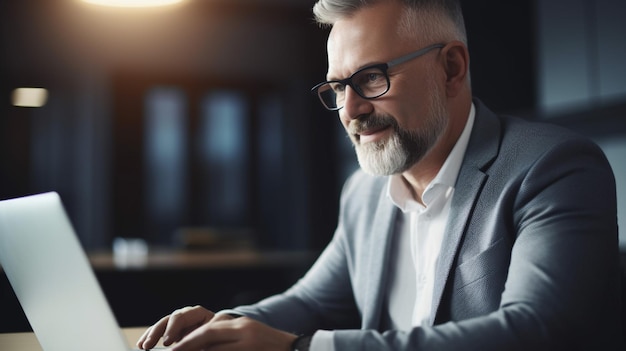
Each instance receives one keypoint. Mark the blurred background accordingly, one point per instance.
(192, 125)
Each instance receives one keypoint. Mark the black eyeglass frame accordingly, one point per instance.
(384, 67)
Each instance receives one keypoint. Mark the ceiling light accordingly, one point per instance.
(133, 3)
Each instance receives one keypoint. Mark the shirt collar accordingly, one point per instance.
(398, 191)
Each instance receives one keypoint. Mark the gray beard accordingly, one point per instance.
(404, 148)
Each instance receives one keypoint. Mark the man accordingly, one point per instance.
(464, 230)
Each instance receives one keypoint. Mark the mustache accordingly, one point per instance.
(371, 121)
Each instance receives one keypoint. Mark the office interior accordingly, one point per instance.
(191, 128)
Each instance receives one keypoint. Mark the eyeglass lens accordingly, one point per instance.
(369, 83)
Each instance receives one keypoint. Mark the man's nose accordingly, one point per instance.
(355, 105)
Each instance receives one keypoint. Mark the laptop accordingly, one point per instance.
(53, 279)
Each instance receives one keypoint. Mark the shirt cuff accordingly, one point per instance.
(322, 341)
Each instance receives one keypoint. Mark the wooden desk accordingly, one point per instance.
(28, 341)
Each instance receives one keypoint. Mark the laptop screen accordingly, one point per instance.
(52, 278)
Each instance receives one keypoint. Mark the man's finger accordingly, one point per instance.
(183, 321)
(208, 335)
(151, 336)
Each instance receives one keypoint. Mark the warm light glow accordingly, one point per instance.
(30, 97)
(133, 3)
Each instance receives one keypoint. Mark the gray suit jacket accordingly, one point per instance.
(529, 259)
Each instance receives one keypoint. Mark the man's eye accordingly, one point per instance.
(374, 77)
(369, 78)
(338, 88)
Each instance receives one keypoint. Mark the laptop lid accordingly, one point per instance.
(52, 277)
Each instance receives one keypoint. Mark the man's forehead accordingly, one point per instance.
(336, 53)
(352, 45)
(368, 36)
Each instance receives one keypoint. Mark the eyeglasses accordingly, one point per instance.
(369, 82)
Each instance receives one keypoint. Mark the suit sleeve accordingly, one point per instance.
(322, 299)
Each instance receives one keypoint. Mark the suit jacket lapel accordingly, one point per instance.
(379, 257)
(483, 147)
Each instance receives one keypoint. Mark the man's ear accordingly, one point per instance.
(456, 64)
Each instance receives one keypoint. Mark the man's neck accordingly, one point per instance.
(421, 174)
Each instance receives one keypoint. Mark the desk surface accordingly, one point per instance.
(28, 341)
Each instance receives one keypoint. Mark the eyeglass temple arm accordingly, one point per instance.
(416, 54)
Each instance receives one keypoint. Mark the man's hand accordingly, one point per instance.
(175, 326)
(196, 328)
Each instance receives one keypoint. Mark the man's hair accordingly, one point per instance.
(433, 20)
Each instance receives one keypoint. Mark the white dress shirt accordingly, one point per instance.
(420, 228)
